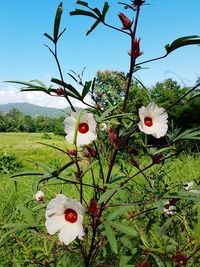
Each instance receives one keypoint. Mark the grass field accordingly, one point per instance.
(27, 146)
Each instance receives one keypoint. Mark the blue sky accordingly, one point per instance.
(23, 55)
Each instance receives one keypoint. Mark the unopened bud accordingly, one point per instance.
(127, 23)
(59, 91)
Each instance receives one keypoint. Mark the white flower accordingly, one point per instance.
(169, 208)
(188, 185)
(39, 196)
(86, 128)
(153, 120)
(65, 215)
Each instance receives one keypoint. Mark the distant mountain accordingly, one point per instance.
(34, 110)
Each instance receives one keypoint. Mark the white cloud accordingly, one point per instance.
(12, 94)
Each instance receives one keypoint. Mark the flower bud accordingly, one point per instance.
(78, 174)
(73, 152)
(59, 91)
(138, 2)
(93, 207)
(135, 51)
(127, 23)
(157, 159)
(179, 258)
(39, 196)
(92, 152)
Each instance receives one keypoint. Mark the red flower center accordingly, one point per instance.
(148, 121)
(70, 215)
(83, 128)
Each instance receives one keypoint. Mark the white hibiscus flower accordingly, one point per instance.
(65, 215)
(153, 120)
(169, 208)
(188, 185)
(86, 130)
(39, 196)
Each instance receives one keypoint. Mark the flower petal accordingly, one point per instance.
(85, 139)
(55, 223)
(69, 124)
(70, 231)
(70, 137)
(56, 206)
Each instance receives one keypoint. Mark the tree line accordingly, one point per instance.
(182, 105)
(16, 121)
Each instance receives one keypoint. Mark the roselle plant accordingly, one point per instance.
(124, 210)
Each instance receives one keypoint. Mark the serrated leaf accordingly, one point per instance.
(57, 22)
(111, 238)
(124, 228)
(106, 195)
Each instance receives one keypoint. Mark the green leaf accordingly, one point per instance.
(49, 37)
(93, 27)
(72, 91)
(83, 13)
(124, 261)
(124, 228)
(183, 41)
(86, 88)
(106, 195)
(106, 113)
(105, 9)
(189, 134)
(26, 173)
(82, 3)
(111, 238)
(198, 223)
(42, 165)
(118, 212)
(57, 22)
(183, 195)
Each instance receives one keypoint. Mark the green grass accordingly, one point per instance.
(17, 193)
